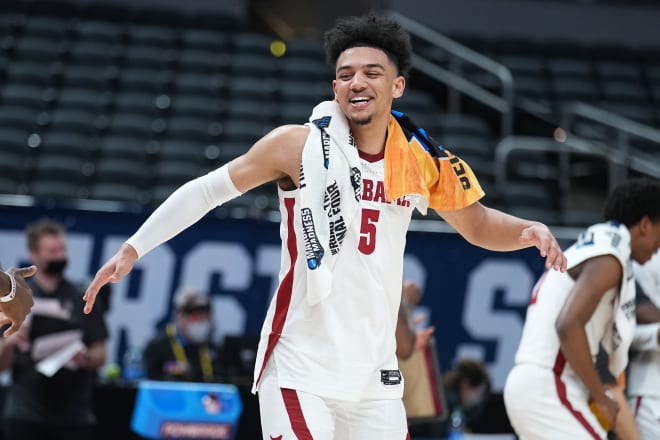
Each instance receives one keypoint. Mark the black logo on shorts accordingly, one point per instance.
(390, 377)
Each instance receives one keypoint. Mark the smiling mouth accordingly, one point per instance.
(360, 102)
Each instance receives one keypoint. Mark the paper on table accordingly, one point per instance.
(52, 364)
(47, 345)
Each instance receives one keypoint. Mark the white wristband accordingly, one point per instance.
(12, 293)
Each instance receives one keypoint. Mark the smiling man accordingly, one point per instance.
(348, 181)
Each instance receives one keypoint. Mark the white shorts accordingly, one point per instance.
(542, 407)
(647, 416)
(295, 415)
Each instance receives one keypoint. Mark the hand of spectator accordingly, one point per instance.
(15, 311)
(539, 235)
(422, 337)
(112, 271)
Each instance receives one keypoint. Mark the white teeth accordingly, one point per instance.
(359, 100)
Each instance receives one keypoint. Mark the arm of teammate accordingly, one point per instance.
(646, 338)
(495, 230)
(596, 276)
(275, 156)
(15, 311)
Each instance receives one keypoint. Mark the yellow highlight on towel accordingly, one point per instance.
(277, 48)
(599, 416)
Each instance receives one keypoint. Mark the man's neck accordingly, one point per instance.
(370, 138)
(47, 283)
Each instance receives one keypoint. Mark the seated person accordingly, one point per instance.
(183, 350)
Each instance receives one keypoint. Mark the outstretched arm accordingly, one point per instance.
(498, 231)
(275, 156)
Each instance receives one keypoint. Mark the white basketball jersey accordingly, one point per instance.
(343, 347)
(644, 369)
(539, 344)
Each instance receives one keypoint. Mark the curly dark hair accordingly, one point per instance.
(370, 31)
(630, 201)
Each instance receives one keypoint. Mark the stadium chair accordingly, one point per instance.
(54, 166)
(120, 192)
(259, 88)
(524, 64)
(149, 35)
(149, 56)
(65, 142)
(609, 70)
(95, 53)
(133, 124)
(305, 93)
(175, 172)
(92, 76)
(83, 99)
(8, 186)
(208, 106)
(39, 49)
(203, 61)
(22, 117)
(211, 40)
(56, 189)
(99, 31)
(252, 109)
(144, 79)
(294, 113)
(251, 43)
(459, 124)
(135, 101)
(183, 150)
(305, 69)
(54, 28)
(31, 72)
(14, 139)
(191, 128)
(243, 131)
(624, 90)
(574, 88)
(124, 147)
(13, 161)
(204, 84)
(573, 67)
(255, 65)
(309, 49)
(126, 171)
(75, 120)
(531, 86)
(24, 94)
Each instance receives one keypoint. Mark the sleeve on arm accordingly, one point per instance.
(184, 207)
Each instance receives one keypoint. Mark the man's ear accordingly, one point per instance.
(398, 87)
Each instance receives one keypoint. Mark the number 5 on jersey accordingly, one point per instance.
(367, 243)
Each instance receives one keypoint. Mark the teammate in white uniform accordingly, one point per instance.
(327, 369)
(547, 393)
(644, 369)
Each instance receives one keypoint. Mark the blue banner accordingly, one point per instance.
(476, 299)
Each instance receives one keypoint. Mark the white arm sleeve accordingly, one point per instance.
(185, 206)
(646, 337)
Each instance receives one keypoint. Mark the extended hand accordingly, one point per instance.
(539, 235)
(112, 271)
(15, 311)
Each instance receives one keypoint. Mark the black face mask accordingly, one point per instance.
(55, 267)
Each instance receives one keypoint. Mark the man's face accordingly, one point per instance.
(366, 83)
(50, 247)
(649, 242)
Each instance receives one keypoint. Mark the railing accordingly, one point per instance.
(459, 55)
(572, 144)
(626, 157)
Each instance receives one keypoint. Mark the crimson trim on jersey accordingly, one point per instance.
(560, 364)
(638, 403)
(372, 157)
(296, 416)
(430, 371)
(285, 290)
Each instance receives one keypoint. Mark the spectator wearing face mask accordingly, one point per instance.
(55, 405)
(184, 350)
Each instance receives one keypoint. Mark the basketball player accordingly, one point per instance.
(326, 366)
(549, 391)
(644, 370)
